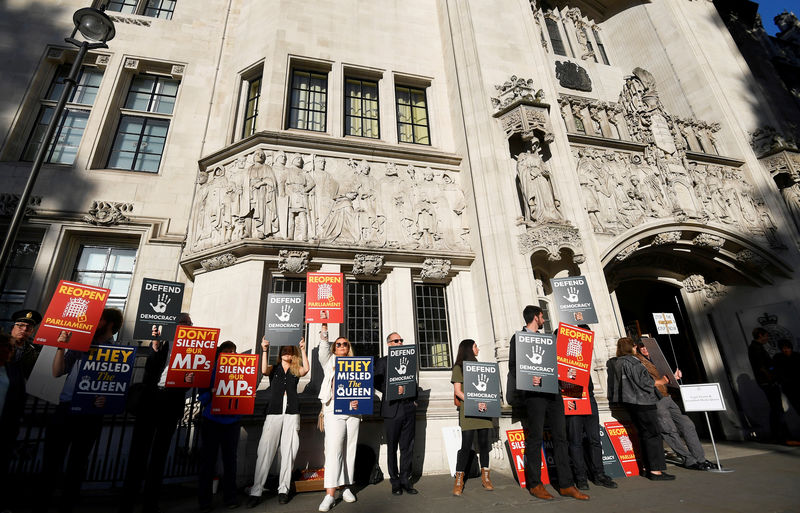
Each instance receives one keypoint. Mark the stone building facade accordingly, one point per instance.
(449, 157)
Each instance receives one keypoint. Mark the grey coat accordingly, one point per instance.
(629, 382)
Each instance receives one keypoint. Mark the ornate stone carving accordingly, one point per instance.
(369, 265)
(706, 240)
(515, 89)
(711, 291)
(605, 117)
(435, 269)
(552, 238)
(747, 256)
(536, 188)
(582, 38)
(108, 213)
(666, 238)
(768, 139)
(130, 21)
(293, 261)
(572, 76)
(218, 262)
(627, 251)
(9, 202)
(131, 64)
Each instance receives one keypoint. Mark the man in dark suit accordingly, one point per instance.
(399, 422)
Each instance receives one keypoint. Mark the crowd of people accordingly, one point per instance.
(634, 384)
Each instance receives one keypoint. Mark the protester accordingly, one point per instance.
(26, 352)
(76, 433)
(217, 433)
(631, 385)
(399, 424)
(764, 374)
(158, 412)
(672, 423)
(471, 427)
(787, 369)
(12, 405)
(341, 431)
(538, 408)
(282, 422)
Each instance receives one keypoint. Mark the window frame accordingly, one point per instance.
(310, 70)
(346, 116)
(16, 298)
(247, 85)
(411, 87)
(141, 7)
(419, 334)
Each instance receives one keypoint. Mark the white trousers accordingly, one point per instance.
(278, 429)
(341, 438)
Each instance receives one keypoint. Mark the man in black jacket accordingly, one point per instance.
(399, 422)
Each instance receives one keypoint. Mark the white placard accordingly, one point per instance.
(665, 323)
(702, 397)
(452, 443)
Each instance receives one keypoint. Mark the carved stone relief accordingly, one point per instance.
(747, 256)
(706, 240)
(627, 251)
(435, 269)
(572, 76)
(369, 265)
(552, 238)
(711, 291)
(218, 262)
(108, 213)
(269, 195)
(666, 238)
(293, 261)
(515, 89)
(9, 202)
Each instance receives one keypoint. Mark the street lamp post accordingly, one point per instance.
(97, 28)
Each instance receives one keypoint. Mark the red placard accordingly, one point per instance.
(516, 442)
(576, 399)
(191, 357)
(72, 316)
(574, 346)
(324, 297)
(623, 446)
(235, 384)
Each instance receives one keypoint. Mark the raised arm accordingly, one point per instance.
(305, 366)
(324, 346)
(266, 368)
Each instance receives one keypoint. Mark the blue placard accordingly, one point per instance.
(353, 381)
(105, 373)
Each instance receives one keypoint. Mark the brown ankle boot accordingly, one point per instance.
(485, 481)
(458, 487)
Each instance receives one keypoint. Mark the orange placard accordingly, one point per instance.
(623, 446)
(72, 316)
(324, 297)
(574, 346)
(235, 384)
(191, 357)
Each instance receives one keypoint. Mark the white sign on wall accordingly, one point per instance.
(702, 397)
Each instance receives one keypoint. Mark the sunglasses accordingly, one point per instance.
(342, 344)
(397, 340)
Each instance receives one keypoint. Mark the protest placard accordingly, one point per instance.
(574, 347)
(159, 306)
(665, 323)
(105, 372)
(659, 360)
(623, 446)
(516, 444)
(536, 362)
(611, 465)
(576, 399)
(284, 325)
(353, 381)
(324, 297)
(235, 384)
(573, 300)
(72, 316)
(481, 389)
(401, 370)
(191, 357)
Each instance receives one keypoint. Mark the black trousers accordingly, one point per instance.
(78, 434)
(538, 408)
(216, 437)
(645, 418)
(777, 423)
(400, 432)
(467, 439)
(156, 422)
(579, 426)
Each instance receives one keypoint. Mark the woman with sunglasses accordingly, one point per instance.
(341, 431)
(470, 426)
(282, 424)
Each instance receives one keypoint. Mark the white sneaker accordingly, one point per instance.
(348, 496)
(327, 503)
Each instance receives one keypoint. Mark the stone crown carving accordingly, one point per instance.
(293, 261)
(108, 213)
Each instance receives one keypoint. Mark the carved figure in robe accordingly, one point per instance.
(791, 195)
(425, 212)
(370, 226)
(298, 186)
(457, 205)
(768, 226)
(706, 208)
(632, 212)
(321, 197)
(279, 168)
(393, 191)
(715, 185)
(341, 225)
(587, 176)
(748, 206)
(263, 197)
(653, 188)
(202, 217)
(537, 191)
(220, 201)
(681, 187)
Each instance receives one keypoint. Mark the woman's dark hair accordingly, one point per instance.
(625, 346)
(465, 352)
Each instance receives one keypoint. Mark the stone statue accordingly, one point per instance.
(202, 217)
(341, 225)
(535, 186)
(393, 191)
(370, 225)
(263, 197)
(588, 172)
(426, 212)
(791, 195)
(298, 186)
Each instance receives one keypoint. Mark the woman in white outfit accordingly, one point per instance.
(341, 431)
(282, 423)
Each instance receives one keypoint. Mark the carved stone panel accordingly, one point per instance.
(9, 202)
(108, 213)
(627, 251)
(218, 262)
(667, 238)
(552, 238)
(435, 269)
(706, 240)
(572, 76)
(293, 261)
(369, 265)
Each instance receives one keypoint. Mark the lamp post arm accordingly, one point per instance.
(19, 212)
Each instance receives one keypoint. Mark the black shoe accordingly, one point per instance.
(604, 480)
(397, 490)
(283, 498)
(707, 465)
(696, 466)
(582, 485)
(252, 501)
(663, 476)
(410, 490)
